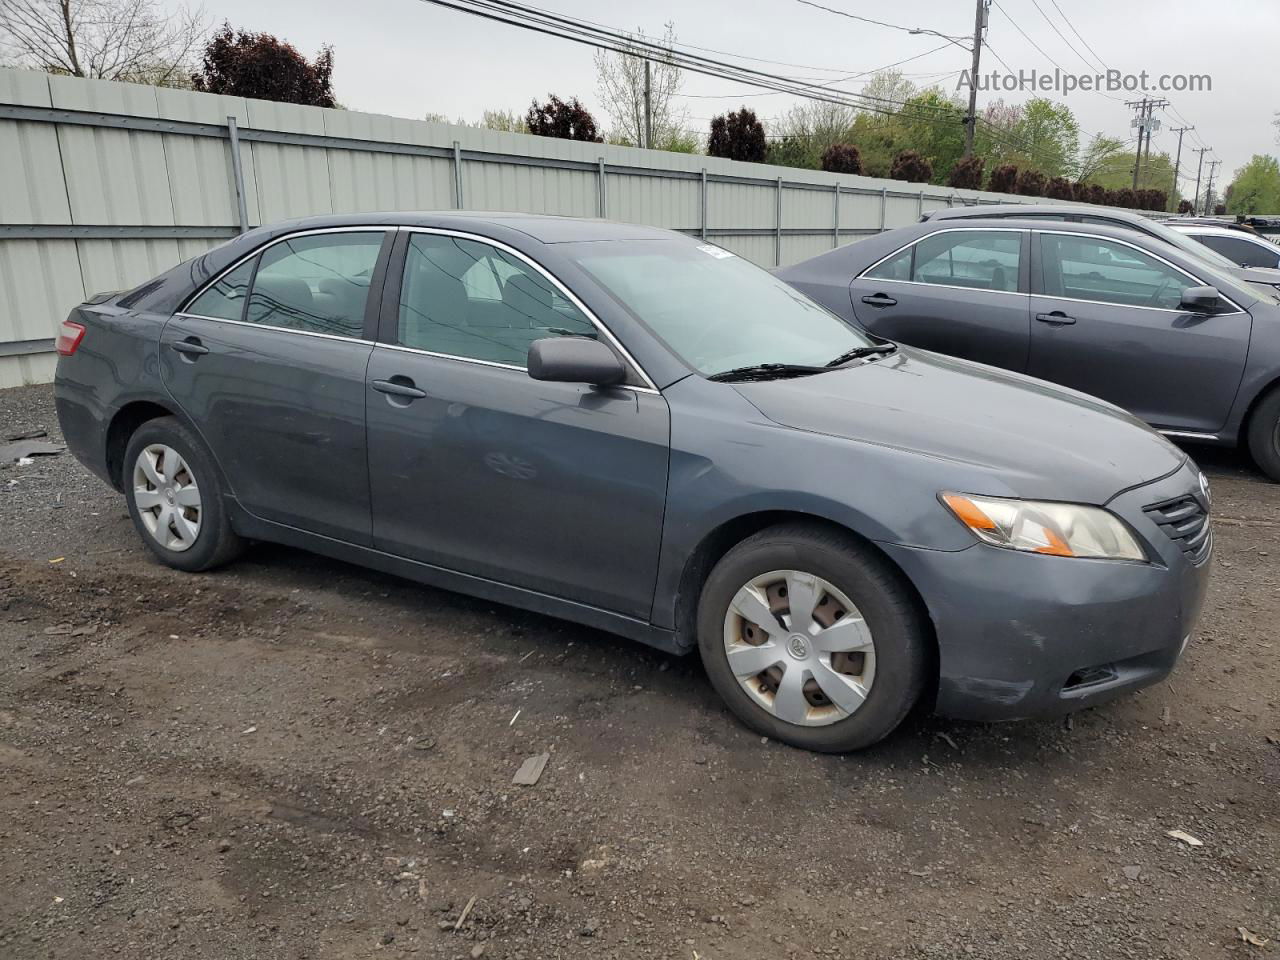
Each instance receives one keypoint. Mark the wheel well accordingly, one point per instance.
(1247, 420)
(123, 425)
(728, 535)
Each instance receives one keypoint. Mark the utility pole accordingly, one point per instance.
(1145, 123)
(1173, 194)
(971, 120)
(1195, 198)
(1208, 192)
(648, 106)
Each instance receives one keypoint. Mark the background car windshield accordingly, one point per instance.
(715, 310)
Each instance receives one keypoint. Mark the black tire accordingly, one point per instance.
(215, 543)
(900, 631)
(1264, 434)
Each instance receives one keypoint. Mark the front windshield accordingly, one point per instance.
(716, 311)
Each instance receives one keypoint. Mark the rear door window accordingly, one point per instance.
(316, 283)
(977, 259)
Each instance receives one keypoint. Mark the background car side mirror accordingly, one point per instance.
(1200, 299)
(575, 360)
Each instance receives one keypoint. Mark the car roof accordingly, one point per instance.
(1028, 223)
(542, 227)
(1014, 209)
(1214, 231)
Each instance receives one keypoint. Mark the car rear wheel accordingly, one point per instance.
(813, 639)
(1264, 434)
(175, 497)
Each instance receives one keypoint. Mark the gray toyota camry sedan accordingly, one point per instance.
(641, 432)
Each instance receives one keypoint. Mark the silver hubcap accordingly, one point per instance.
(167, 496)
(799, 647)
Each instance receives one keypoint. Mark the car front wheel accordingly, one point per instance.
(813, 639)
(1264, 434)
(175, 497)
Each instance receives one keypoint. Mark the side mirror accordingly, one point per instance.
(1200, 299)
(575, 360)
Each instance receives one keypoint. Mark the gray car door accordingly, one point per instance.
(1107, 322)
(269, 364)
(961, 292)
(476, 467)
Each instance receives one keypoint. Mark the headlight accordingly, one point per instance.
(1058, 529)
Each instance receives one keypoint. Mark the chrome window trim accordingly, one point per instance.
(501, 366)
(649, 385)
(1154, 256)
(264, 326)
(948, 286)
(568, 295)
(919, 283)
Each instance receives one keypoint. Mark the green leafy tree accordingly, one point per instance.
(1046, 138)
(1103, 153)
(789, 151)
(932, 125)
(1256, 187)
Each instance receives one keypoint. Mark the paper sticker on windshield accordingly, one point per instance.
(720, 253)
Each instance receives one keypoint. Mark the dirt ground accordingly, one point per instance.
(298, 758)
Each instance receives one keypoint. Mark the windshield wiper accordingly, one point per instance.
(858, 353)
(765, 371)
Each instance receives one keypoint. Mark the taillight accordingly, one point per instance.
(69, 336)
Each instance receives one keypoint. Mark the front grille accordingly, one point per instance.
(1187, 524)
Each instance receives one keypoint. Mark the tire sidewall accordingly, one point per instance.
(896, 628)
(213, 520)
(1263, 445)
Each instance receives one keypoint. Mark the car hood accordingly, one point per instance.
(1031, 438)
(1267, 275)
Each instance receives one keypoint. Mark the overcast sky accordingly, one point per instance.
(408, 57)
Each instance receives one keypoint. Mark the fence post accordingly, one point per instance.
(457, 174)
(920, 205)
(604, 190)
(884, 207)
(835, 219)
(777, 219)
(704, 203)
(237, 171)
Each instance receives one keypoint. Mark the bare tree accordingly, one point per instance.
(621, 81)
(132, 40)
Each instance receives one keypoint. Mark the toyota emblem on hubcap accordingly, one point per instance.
(798, 646)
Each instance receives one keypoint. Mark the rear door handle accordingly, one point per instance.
(879, 300)
(398, 387)
(191, 346)
(1057, 318)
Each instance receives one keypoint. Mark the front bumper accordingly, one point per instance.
(1021, 635)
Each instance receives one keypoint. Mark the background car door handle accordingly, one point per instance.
(398, 387)
(1057, 318)
(879, 300)
(191, 346)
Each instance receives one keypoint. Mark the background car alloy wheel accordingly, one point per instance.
(167, 497)
(799, 647)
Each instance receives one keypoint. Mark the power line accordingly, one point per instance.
(1068, 22)
(1061, 36)
(1027, 37)
(541, 21)
(854, 16)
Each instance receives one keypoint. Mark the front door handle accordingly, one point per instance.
(398, 387)
(190, 348)
(879, 300)
(1057, 318)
